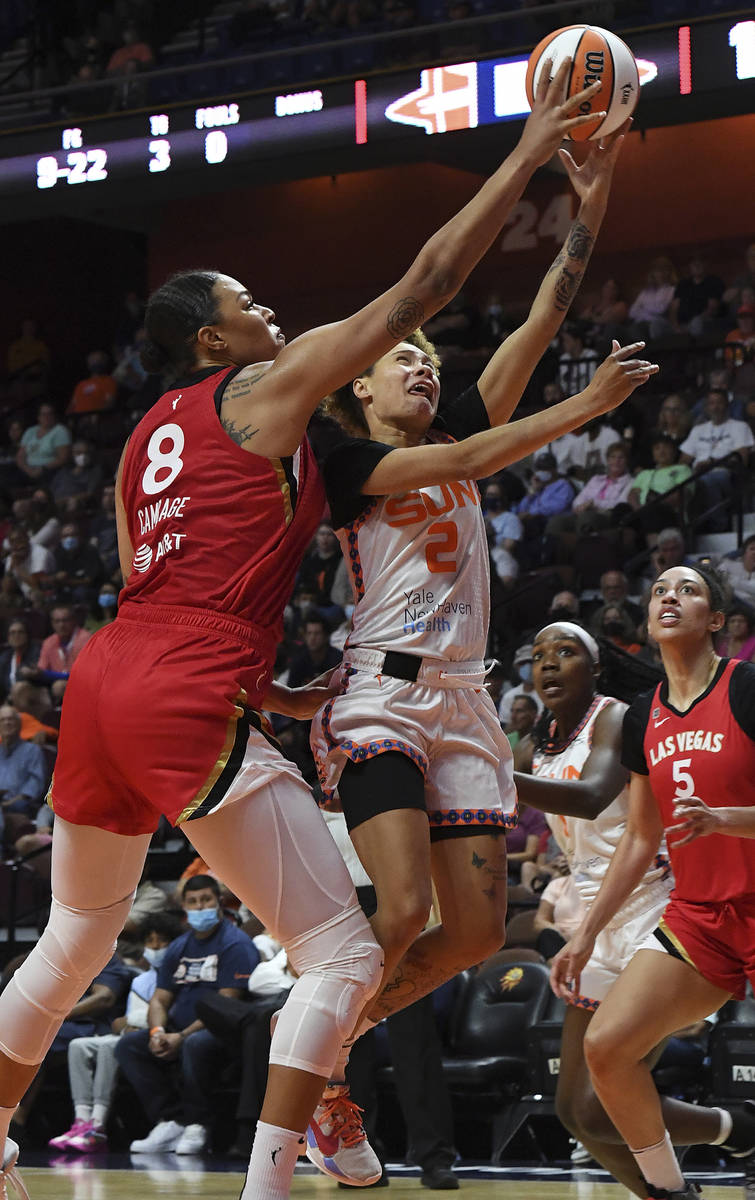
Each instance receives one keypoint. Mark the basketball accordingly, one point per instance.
(596, 54)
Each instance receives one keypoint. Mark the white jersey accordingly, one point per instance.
(590, 845)
(418, 566)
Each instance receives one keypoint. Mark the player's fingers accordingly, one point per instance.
(568, 161)
(556, 90)
(544, 79)
(620, 352)
(575, 122)
(572, 102)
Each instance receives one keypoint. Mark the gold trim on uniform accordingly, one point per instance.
(288, 512)
(217, 770)
(678, 946)
(48, 797)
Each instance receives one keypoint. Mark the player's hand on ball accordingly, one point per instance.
(553, 116)
(694, 820)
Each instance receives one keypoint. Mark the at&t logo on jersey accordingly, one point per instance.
(142, 559)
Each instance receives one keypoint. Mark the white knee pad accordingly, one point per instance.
(74, 947)
(340, 968)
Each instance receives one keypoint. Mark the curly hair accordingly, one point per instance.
(345, 409)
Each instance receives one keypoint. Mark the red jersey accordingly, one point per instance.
(709, 752)
(213, 526)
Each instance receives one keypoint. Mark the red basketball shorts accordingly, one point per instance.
(717, 938)
(155, 723)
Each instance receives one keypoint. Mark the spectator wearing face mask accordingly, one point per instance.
(105, 607)
(92, 1065)
(78, 567)
(548, 493)
(80, 479)
(523, 667)
(214, 955)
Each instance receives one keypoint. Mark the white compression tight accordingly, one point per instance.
(273, 850)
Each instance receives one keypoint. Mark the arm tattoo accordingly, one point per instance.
(239, 436)
(239, 388)
(405, 317)
(580, 242)
(566, 288)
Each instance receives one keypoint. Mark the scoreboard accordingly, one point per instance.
(685, 71)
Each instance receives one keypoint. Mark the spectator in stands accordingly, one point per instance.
(523, 842)
(103, 534)
(560, 912)
(92, 1065)
(522, 664)
(39, 517)
(60, 650)
(318, 570)
(78, 567)
(594, 506)
(607, 314)
(45, 446)
(614, 589)
(505, 531)
(214, 955)
(130, 89)
(27, 350)
(131, 49)
(714, 441)
(19, 660)
(458, 326)
(98, 390)
(79, 480)
(81, 98)
(650, 307)
(740, 341)
(652, 483)
(12, 479)
(738, 641)
(733, 297)
(740, 572)
(548, 493)
(29, 565)
(582, 452)
(128, 373)
(23, 772)
(577, 363)
(565, 607)
(673, 419)
(317, 654)
(670, 551)
(613, 624)
(524, 712)
(696, 308)
(32, 704)
(104, 608)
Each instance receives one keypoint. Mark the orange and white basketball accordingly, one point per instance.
(596, 54)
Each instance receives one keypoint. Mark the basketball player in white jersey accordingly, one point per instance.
(413, 733)
(578, 781)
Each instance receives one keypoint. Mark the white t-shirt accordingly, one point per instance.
(579, 450)
(716, 441)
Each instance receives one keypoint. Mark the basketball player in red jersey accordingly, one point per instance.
(690, 747)
(217, 498)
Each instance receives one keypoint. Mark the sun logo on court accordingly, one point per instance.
(511, 979)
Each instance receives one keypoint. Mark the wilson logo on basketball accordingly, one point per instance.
(445, 100)
(142, 559)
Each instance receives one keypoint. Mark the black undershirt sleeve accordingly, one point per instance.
(633, 733)
(742, 697)
(344, 471)
(463, 416)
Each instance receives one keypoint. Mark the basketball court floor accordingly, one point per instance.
(149, 1177)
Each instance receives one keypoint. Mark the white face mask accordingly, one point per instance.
(155, 957)
(81, 460)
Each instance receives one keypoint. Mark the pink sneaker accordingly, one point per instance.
(89, 1140)
(63, 1140)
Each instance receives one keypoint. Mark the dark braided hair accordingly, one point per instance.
(622, 676)
(175, 313)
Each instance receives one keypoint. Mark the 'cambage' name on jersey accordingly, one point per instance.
(689, 739)
(152, 514)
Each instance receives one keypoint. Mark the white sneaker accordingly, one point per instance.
(164, 1137)
(192, 1141)
(580, 1154)
(9, 1174)
(337, 1143)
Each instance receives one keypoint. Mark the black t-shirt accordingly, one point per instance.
(352, 462)
(741, 701)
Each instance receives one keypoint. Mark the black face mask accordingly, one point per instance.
(613, 628)
(563, 614)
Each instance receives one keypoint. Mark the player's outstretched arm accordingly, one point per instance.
(635, 852)
(490, 451)
(505, 377)
(322, 360)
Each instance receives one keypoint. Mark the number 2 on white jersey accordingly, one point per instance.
(441, 547)
(160, 460)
